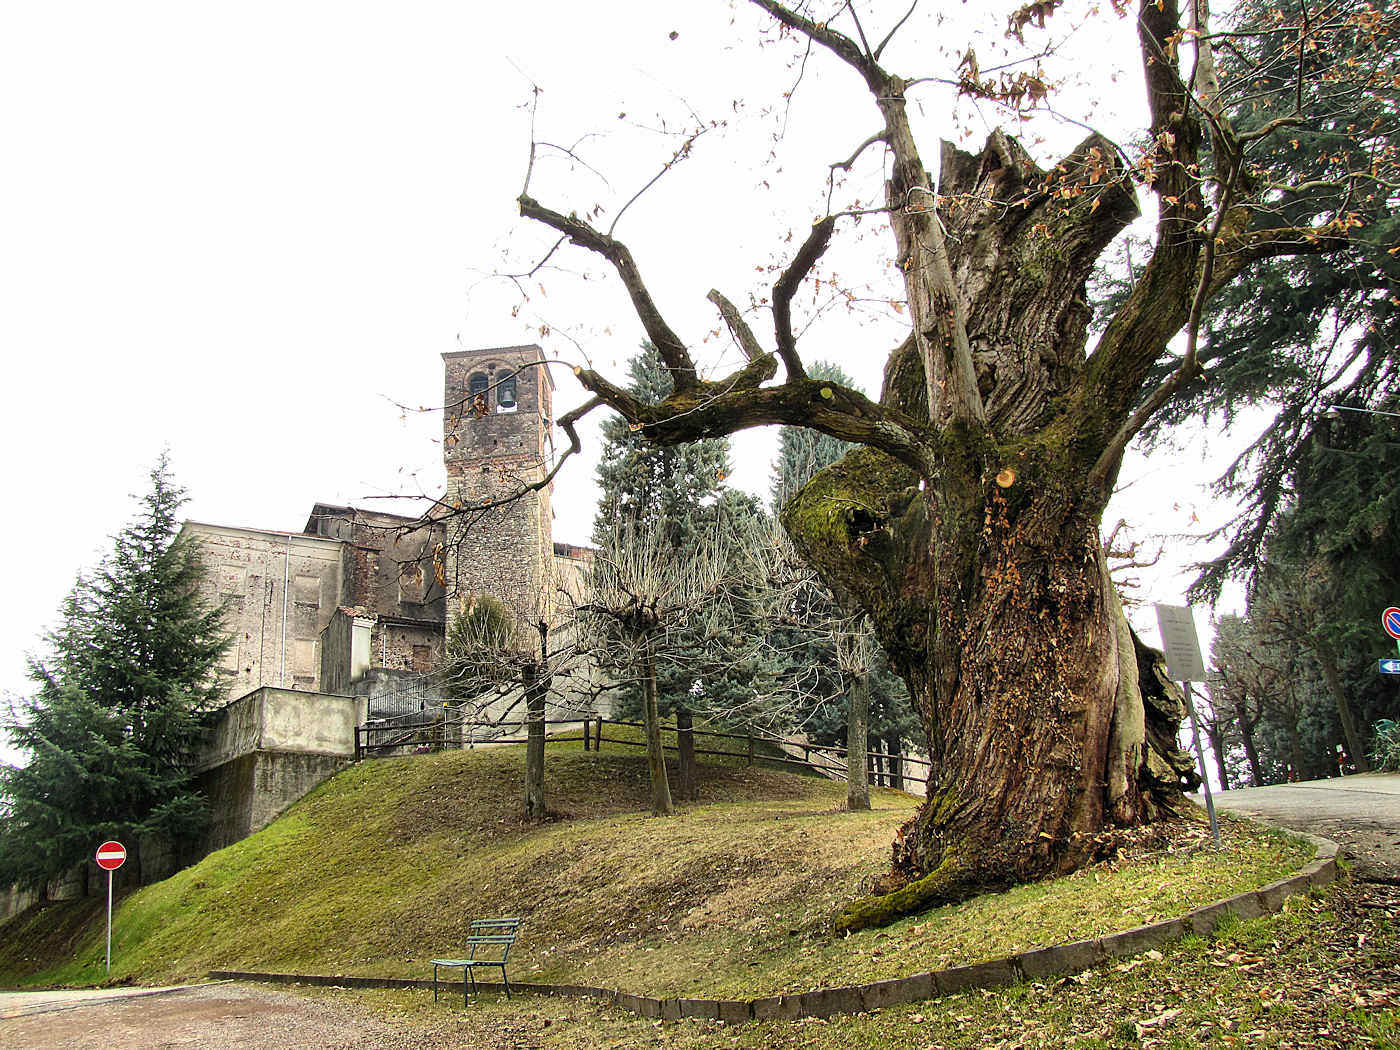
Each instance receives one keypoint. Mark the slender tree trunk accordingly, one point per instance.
(1251, 753)
(1295, 747)
(687, 780)
(1215, 733)
(661, 805)
(857, 736)
(534, 742)
(1356, 747)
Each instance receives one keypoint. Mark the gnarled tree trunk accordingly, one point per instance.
(966, 523)
(991, 595)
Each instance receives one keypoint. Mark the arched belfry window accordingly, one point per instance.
(477, 387)
(505, 394)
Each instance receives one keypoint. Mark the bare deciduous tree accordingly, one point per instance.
(966, 523)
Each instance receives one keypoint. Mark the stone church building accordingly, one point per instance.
(350, 610)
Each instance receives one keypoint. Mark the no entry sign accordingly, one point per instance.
(1390, 620)
(111, 855)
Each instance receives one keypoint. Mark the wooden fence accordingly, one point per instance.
(446, 733)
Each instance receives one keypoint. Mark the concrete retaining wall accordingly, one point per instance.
(823, 1002)
(268, 749)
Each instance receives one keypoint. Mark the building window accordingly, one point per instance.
(422, 658)
(505, 395)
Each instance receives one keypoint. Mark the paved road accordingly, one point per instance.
(1360, 812)
(22, 1004)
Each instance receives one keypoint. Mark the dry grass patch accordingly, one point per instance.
(384, 866)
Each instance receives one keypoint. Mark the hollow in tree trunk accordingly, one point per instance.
(857, 737)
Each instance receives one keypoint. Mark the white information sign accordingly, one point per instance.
(1179, 641)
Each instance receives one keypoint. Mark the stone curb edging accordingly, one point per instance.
(1071, 957)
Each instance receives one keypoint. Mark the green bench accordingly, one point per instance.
(492, 939)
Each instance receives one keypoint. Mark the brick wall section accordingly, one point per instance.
(389, 563)
(406, 645)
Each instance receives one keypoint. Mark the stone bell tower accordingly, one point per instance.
(497, 438)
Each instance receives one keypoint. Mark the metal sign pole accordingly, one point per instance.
(109, 922)
(1201, 761)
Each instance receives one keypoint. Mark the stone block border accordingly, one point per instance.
(1038, 963)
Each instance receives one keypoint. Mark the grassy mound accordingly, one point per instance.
(383, 867)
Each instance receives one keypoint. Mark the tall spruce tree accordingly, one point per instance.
(811, 643)
(115, 718)
(678, 492)
(1327, 568)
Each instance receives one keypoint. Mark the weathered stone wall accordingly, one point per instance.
(492, 450)
(407, 645)
(229, 789)
(391, 562)
(278, 591)
(281, 720)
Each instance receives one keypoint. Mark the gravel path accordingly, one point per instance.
(220, 1016)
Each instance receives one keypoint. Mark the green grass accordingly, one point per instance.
(1321, 974)
(383, 867)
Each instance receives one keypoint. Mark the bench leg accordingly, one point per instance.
(435, 987)
(505, 980)
(466, 1001)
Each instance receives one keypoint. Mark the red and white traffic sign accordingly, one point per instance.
(111, 855)
(1390, 620)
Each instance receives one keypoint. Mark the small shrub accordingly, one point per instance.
(1386, 755)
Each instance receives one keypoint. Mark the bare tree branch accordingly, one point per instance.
(743, 335)
(673, 352)
(786, 286)
(879, 49)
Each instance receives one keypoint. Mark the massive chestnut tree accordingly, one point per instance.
(966, 522)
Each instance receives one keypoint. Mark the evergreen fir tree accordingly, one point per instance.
(680, 491)
(115, 718)
(808, 644)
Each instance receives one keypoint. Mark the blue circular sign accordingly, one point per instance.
(1390, 620)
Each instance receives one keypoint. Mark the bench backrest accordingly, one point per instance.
(492, 933)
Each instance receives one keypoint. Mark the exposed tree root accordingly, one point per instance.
(946, 884)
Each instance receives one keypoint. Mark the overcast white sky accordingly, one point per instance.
(246, 231)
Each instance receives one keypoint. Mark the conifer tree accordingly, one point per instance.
(812, 643)
(678, 492)
(112, 726)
